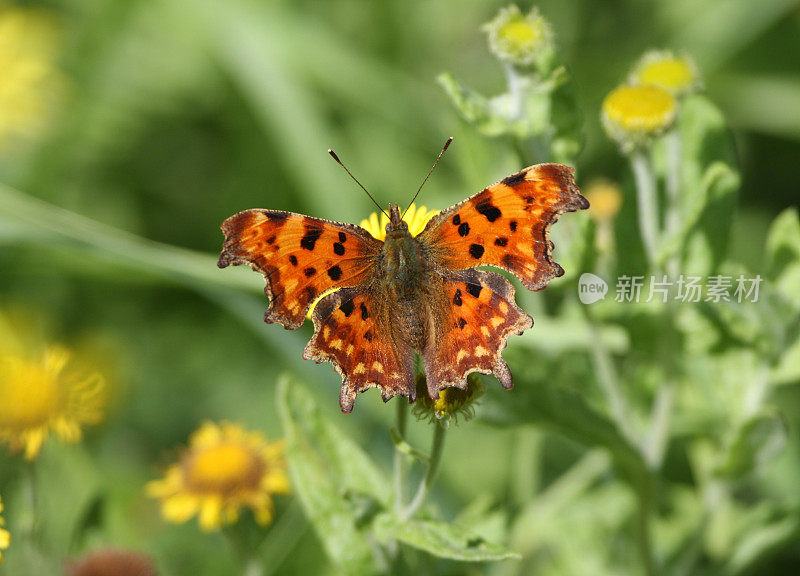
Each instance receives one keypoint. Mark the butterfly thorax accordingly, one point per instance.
(403, 274)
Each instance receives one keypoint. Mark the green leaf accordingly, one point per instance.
(440, 539)
(783, 241)
(337, 484)
(709, 181)
(544, 401)
(474, 107)
(68, 484)
(756, 441)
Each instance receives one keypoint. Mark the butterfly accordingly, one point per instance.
(410, 294)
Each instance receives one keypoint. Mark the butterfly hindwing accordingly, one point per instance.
(300, 257)
(480, 316)
(506, 225)
(353, 333)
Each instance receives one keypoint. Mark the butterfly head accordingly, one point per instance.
(396, 222)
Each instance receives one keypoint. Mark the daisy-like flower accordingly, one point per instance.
(46, 395)
(677, 74)
(416, 218)
(224, 469)
(110, 562)
(31, 82)
(452, 402)
(633, 114)
(520, 39)
(5, 537)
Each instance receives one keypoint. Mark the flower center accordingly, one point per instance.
(520, 33)
(225, 468)
(640, 107)
(671, 73)
(30, 394)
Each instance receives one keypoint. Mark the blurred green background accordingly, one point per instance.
(168, 116)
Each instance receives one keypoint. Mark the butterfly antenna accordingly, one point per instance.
(335, 157)
(446, 144)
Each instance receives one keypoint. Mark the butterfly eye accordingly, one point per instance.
(402, 226)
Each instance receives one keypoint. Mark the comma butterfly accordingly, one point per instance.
(409, 293)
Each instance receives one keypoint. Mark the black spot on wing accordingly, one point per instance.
(347, 308)
(474, 290)
(514, 179)
(461, 323)
(277, 216)
(501, 241)
(310, 271)
(489, 210)
(513, 225)
(310, 239)
(457, 298)
(476, 250)
(293, 259)
(335, 272)
(364, 311)
(342, 237)
(368, 336)
(338, 248)
(456, 220)
(463, 229)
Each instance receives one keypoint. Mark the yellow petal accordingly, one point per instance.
(210, 513)
(179, 508)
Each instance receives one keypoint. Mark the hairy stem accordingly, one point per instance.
(647, 204)
(437, 446)
(645, 536)
(400, 459)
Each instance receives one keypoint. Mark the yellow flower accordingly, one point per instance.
(5, 537)
(452, 402)
(605, 199)
(632, 114)
(31, 83)
(109, 561)
(676, 74)
(518, 39)
(416, 218)
(224, 469)
(43, 396)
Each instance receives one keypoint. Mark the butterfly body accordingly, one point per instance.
(410, 294)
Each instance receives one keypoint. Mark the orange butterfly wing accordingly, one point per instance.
(300, 257)
(480, 316)
(353, 331)
(506, 225)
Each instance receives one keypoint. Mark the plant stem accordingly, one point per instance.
(30, 519)
(400, 459)
(609, 382)
(655, 443)
(645, 536)
(437, 446)
(516, 90)
(672, 218)
(646, 200)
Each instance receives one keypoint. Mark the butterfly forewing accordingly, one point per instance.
(300, 257)
(506, 225)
